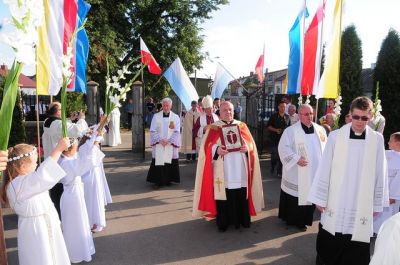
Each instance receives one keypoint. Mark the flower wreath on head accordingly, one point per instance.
(15, 158)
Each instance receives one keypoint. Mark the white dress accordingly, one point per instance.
(97, 195)
(40, 240)
(113, 137)
(74, 217)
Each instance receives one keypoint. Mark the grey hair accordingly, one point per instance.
(303, 106)
(166, 100)
(291, 106)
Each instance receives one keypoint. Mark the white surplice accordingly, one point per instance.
(113, 137)
(311, 148)
(40, 240)
(164, 128)
(393, 163)
(346, 209)
(387, 244)
(53, 134)
(74, 217)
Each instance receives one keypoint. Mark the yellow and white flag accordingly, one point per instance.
(329, 83)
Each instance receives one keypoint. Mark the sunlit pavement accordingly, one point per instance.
(146, 226)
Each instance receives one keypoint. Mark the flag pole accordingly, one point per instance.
(37, 126)
(320, 57)
(263, 105)
(144, 116)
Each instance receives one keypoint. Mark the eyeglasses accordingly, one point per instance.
(357, 117)
(307, 114)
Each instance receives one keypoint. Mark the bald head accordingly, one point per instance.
(226, 111)
(306, 114)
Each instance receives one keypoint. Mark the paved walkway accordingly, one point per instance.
(145, 226)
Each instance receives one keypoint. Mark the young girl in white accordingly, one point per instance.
(393, 164)
(40, 240)
(97, 194)
(74, 217)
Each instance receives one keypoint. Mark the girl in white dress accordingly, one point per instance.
(74, 217)
(40, 240)
(97, 193)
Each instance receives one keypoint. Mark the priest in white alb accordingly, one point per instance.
(165, 139)
(228, 178)
(349, 188)
(188, 146)
(206, 118)
(300, 149)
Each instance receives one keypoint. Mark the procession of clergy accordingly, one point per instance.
(348, 176)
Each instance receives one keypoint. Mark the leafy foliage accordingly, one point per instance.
(169, 28)
(350, 68)
(387, 72)
(17, 130)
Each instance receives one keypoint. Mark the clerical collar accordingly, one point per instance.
(354, 135)
(165, 115)
(227, 122)
(307, 130)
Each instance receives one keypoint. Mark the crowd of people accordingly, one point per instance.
(344, 173)
(73, 172)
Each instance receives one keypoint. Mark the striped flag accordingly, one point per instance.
(329, 84)
(221, 81)
(180, 83)
(312, 54)
(49, 50)
(54, 37)
(81, 50)
(260, 68)
(147, 58)
(296, 43)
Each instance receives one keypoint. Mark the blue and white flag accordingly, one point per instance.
(296, 43)
(180, 83)
(82, 49)
(221, 80)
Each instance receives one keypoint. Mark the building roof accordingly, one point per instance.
(24, 81)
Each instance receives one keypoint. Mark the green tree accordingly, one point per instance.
(387, 72)
(170, 28)
(350, 68)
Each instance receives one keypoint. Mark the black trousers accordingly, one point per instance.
(233, 211)
(164, 175)
(55, 195)
(292, 213)
(275, 160)
(338, 249)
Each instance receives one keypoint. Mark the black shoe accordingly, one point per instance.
(302, 228)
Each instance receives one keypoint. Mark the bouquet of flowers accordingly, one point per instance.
(337, 110)
(26, 17)
(376, 111)
(115, 92)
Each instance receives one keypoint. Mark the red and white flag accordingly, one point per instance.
(259, 68)
(147, 58)
(312, 54)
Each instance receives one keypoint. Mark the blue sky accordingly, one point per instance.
(237, 32)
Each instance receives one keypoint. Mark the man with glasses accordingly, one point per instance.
(349, 189)
(300, 150)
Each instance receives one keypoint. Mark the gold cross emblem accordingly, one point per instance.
(218, 182)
